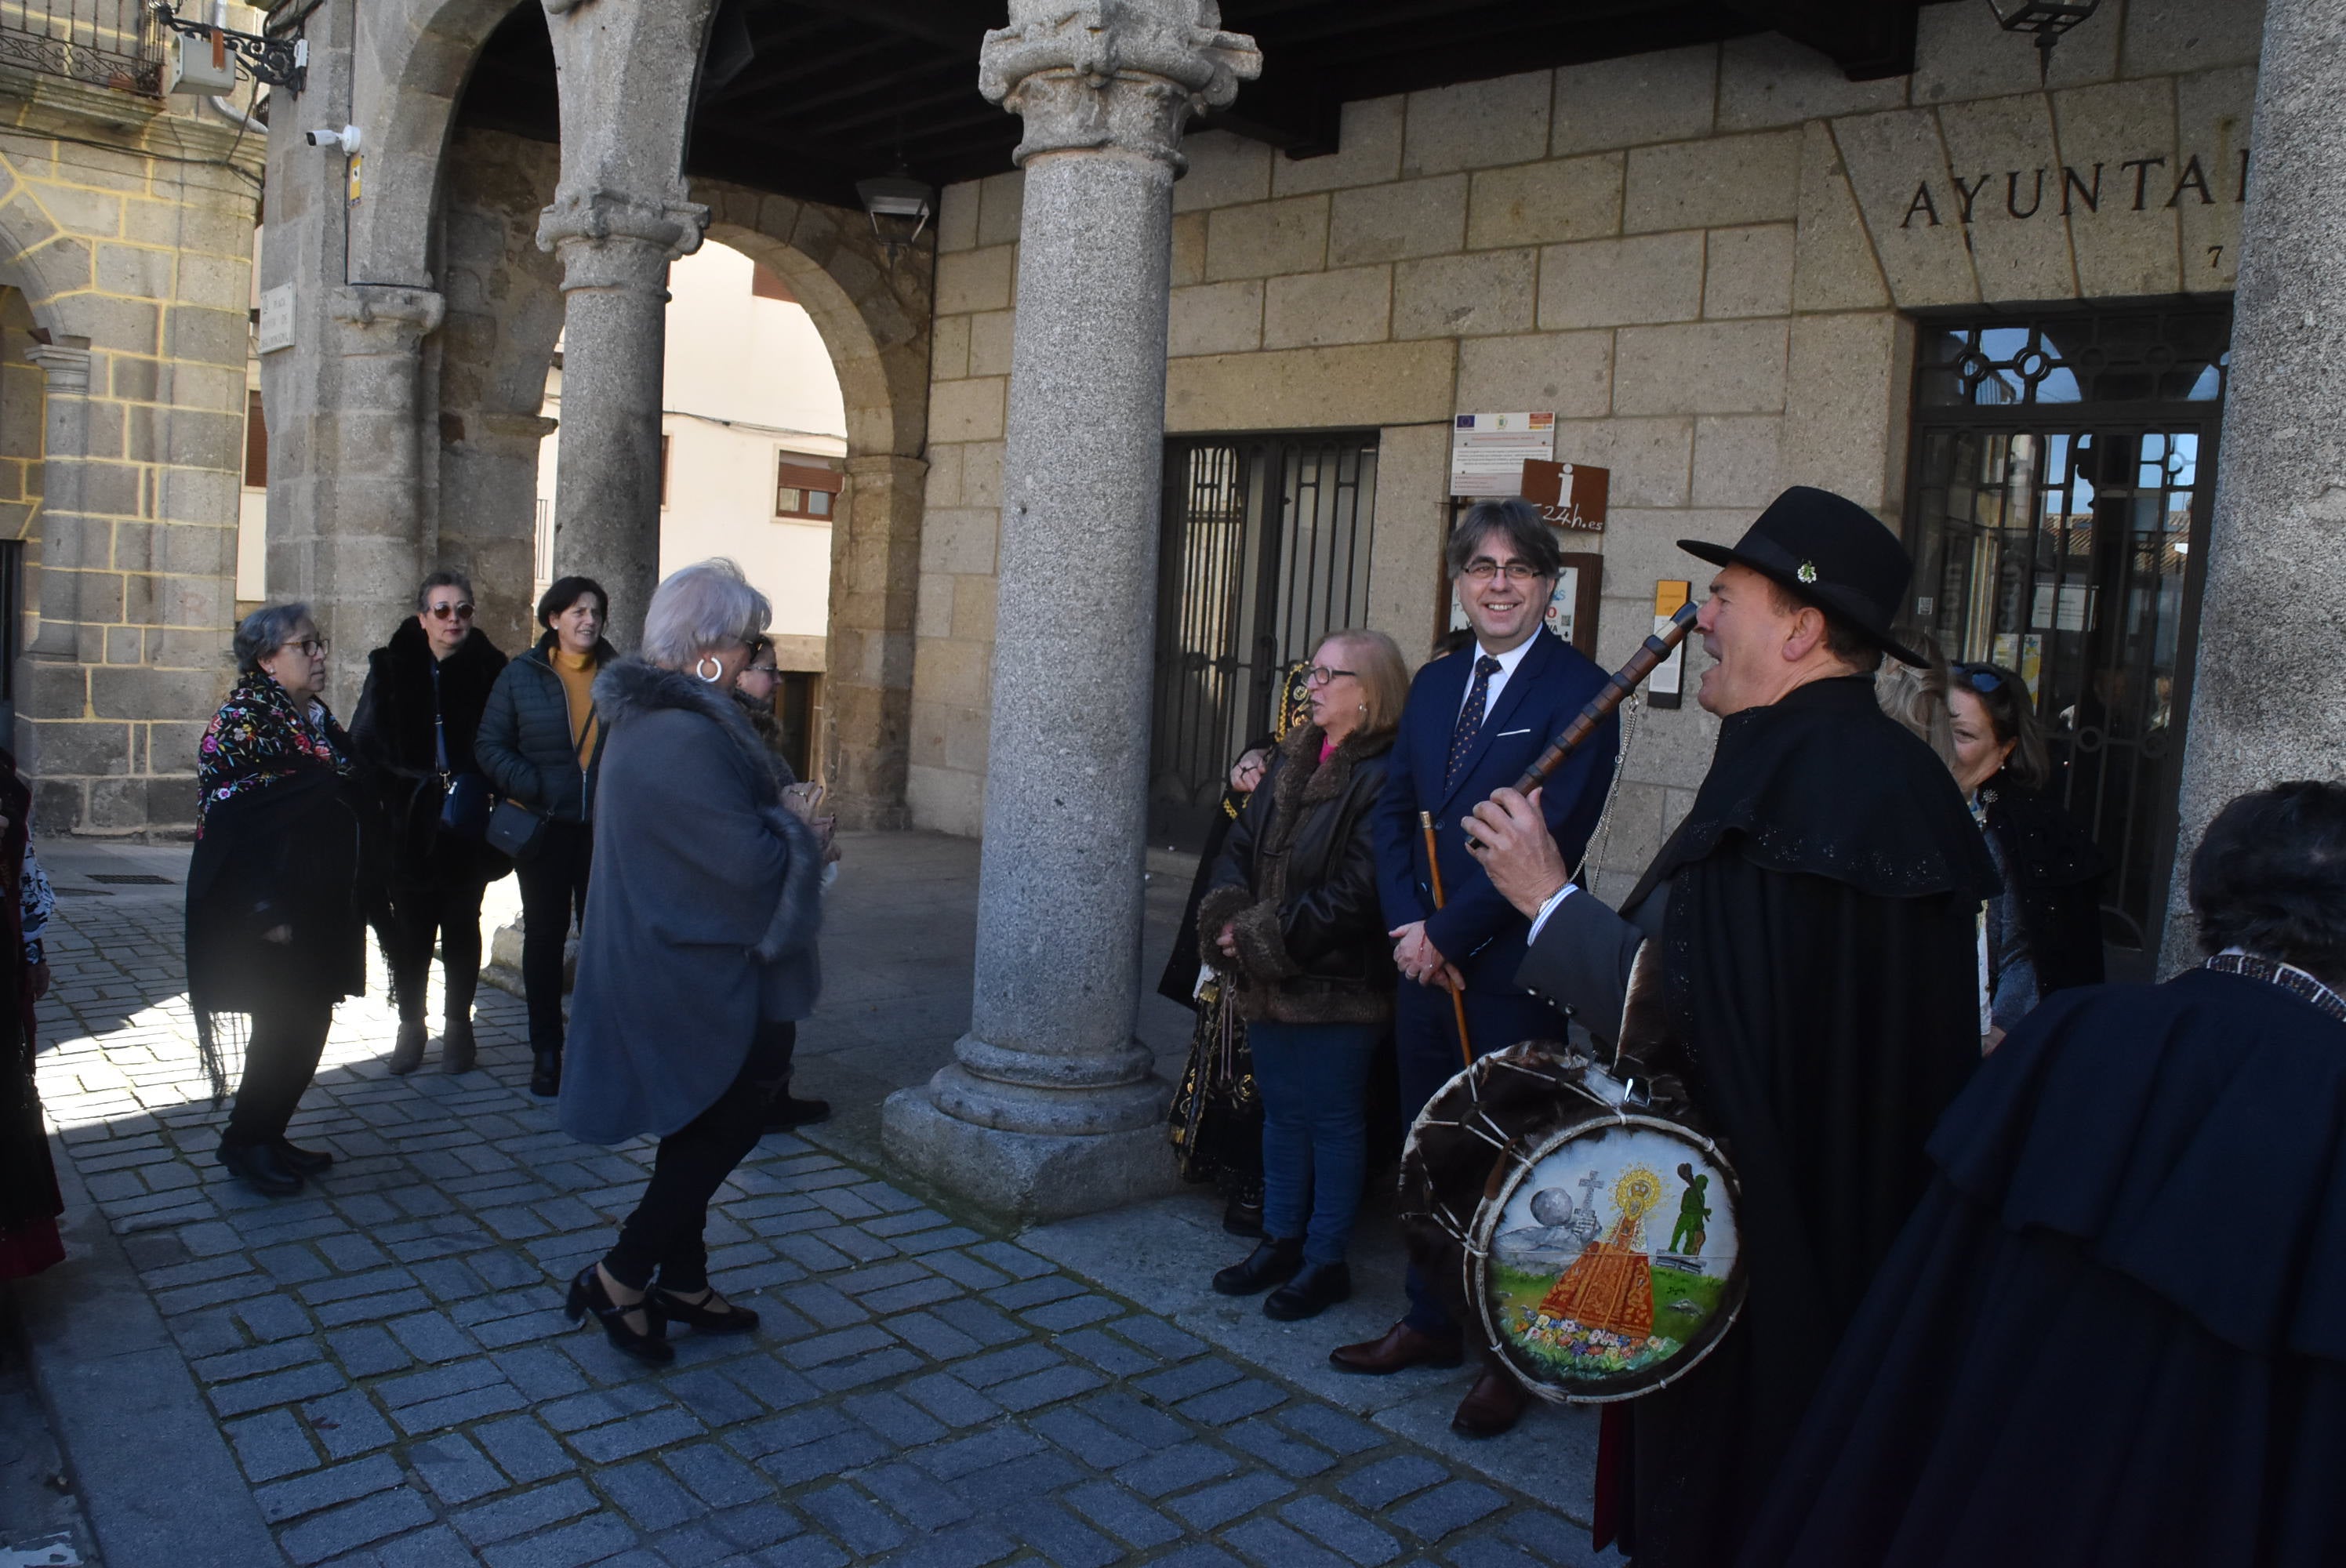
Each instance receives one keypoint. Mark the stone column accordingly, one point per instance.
(867, 684)
(49, 742)
(362, 574)
(2269, 603)
(488, 506)
(1050, 1107)
(615, 252)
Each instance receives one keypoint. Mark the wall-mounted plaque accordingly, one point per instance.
(1569, 496)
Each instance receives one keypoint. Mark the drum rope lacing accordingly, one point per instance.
(1478, 1122)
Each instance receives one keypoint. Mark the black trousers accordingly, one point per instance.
(552, 894)
(280, 1060)
(447, 914)
(666, 1232)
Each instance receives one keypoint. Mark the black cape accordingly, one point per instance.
(2115, 1332)
(29, 1200)
(1819, 967)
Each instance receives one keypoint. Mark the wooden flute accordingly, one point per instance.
(1618, 686)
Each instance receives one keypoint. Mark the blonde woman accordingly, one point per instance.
(1291, 916)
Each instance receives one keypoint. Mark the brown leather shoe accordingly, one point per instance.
(1494, 1405)
(1402, 1346)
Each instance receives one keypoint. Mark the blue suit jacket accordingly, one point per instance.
(1551, 685)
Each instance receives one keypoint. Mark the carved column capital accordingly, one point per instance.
(1122, 74)
(609, 238)
(404, 316)
(64, 366)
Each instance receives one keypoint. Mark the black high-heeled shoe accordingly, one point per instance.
(587, 1295)
(697, 1315)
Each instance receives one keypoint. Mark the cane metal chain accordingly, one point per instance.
(1592, 864)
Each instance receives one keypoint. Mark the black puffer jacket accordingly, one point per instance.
(1298, 880)
(524, 744)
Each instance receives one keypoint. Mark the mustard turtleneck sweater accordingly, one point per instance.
(578, 673)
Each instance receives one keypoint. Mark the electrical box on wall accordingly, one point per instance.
(200, 65)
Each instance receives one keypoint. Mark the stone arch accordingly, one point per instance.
(875, 321)
(413, 58)
(47, 266)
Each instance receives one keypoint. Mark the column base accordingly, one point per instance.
(503, 968)
(1030, 1176)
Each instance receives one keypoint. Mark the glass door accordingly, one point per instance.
(1264, 550)
(2062, 476)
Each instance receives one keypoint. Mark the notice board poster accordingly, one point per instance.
(1487, 451)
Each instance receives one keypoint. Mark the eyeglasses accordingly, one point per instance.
(766, 669)
(1985, 679)
(311, 647)
(1320, 675)
(462, 612)
(1482, 568)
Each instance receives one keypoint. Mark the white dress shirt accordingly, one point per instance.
(1546, 910)
(1508, 663)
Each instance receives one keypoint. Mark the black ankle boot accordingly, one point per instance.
(304, 1162)
(545, 1074)
(261, 1168)
(459, 1052)
(1315, 1288)
(1266, 1265)
(789, 1111)
(407, 1052)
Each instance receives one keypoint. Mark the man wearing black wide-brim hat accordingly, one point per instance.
(1810, 972)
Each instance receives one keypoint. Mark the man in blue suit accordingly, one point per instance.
(1475, 720)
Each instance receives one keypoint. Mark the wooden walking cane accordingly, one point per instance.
(1457, 997)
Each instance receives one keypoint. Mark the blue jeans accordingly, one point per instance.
(1313, 1079)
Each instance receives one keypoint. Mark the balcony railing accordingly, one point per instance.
(105, 43)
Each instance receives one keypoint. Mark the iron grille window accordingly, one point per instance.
(2063, 472)
(107, 43)
(1264, 550)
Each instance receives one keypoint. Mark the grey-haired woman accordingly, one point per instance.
(279, 885)
(697, 954)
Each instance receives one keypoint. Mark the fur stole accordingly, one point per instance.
(1271, 983)
(630, 687)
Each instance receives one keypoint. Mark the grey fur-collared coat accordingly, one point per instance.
(701, 916)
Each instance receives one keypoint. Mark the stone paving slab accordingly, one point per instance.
(385, 1359)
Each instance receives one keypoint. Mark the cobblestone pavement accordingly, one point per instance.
(386, 1355)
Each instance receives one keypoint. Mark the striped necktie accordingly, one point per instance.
(1470, 717)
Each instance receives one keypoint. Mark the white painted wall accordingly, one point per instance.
(749, 381)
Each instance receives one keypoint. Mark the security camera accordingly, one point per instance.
(346, 138)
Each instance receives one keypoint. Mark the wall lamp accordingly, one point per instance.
(2047, 20)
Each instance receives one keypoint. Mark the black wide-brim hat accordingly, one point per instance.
(1832, 551)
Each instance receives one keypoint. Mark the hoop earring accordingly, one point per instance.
(711, 677)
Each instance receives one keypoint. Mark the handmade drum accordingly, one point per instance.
(1606, 1260)
(1594, 1244)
